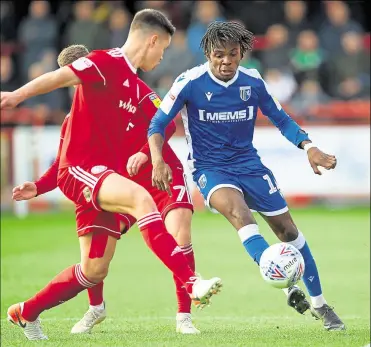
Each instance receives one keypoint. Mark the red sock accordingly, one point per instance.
(61, 288)
(96, 294)
(165, 247)
(184, 301)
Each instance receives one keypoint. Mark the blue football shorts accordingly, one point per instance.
(259, 188)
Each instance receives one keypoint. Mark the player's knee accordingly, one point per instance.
(287, 232)
(178, 224)
(143, 202)
(95, 271)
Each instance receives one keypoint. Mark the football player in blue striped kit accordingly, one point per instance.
(218, 102)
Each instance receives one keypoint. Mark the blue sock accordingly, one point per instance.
(253, 242)
(310, 277)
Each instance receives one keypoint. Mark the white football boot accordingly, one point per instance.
(32, 330)
(184, 324)
(203, 290)
(91, 318)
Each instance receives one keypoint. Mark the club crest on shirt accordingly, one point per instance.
(98, 169)
(202, 181)
(245, 93)
(87, 194)
(155, 100)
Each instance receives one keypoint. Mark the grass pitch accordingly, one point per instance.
(140, 295)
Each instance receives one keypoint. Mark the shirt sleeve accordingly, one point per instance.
(48, 181)
(173, 102)
(149, 105)
(271, 108)
(90, 69)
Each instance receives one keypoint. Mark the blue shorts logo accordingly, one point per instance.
(202, 181)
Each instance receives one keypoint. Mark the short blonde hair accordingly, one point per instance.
(71, 53)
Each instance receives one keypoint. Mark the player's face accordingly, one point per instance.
(224, 61)
(156, 48)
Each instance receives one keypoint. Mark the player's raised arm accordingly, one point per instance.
(62, 77)
(173, 102)
(292, 131)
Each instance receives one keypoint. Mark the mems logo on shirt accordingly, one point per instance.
(224, 117)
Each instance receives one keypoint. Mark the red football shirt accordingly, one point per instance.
(102, 107)
(148, 104)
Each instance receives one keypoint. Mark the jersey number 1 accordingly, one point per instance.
(272, 188)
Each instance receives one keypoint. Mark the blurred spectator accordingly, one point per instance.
(177, 59)
(119, 25)
(307, 57)
(256, 15)
(204, 13)
(276, 55)
(37, 33)
(83, 30)
(104, 10)
(350, 71)
(46, 102)
(164, 85)
(49, 60)
(281, 84)
(337, 23)
(8, 78)
(308, 96)
(250, 62)
(179, 11)
(8, 31)
(295, 19)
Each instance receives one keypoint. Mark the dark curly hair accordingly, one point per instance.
(221, 33)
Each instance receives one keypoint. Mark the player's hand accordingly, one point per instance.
(9, 100)
(25, 191)
(135, 162)
(318, 158)
(162, 176)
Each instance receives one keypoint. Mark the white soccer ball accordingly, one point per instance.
(282, 265)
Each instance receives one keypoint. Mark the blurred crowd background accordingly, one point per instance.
(314, 55)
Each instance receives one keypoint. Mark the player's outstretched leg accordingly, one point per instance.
(120, 195)
(178, 223)
(231, 204)
(286, 231)
(63, 287)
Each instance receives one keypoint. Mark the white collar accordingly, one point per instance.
(222, 83)
(128, 61)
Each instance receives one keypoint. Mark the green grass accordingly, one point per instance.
(141, 299)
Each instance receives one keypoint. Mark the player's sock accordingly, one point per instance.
(184, 301)
(253, 242)
(165, 247)
(96, 295)
(61, 288)
(310, 277)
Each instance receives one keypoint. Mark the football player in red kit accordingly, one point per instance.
(89, 168)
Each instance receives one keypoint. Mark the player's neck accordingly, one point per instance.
(134, 52)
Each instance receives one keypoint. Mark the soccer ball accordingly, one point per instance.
(282, 265)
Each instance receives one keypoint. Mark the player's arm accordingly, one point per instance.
(173, 102)
(46, 183)
(169, 132)
(292, 131)
(62, 77)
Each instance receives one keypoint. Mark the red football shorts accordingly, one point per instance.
(81, 185)
(181, 196)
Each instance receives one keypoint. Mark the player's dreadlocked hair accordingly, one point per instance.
(220, 33)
